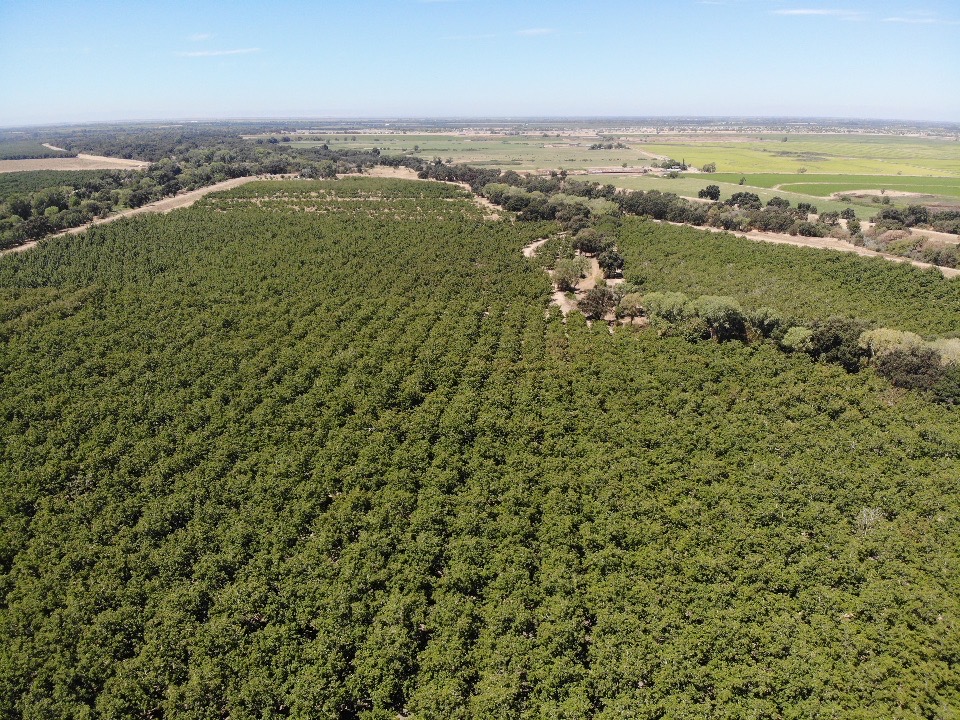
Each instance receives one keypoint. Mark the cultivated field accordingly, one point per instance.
(837, 154)
(804, 168)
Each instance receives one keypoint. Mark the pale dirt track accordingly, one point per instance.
(825, 244)
(160, 206)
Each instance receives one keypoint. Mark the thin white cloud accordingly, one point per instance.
(536, 31)
(218, 53)
(199, 37)
(920, 20)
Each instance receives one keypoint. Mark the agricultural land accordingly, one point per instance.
(432, 423)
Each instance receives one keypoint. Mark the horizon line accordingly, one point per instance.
(461, 118)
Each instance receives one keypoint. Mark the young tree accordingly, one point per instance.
(567, 274)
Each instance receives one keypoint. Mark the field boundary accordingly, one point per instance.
(160, 206)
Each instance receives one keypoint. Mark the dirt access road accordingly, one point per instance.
(824, 243)
(161, 206)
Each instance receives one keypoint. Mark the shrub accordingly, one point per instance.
(883, 341)
(611, 262)
(568, 273)
(768, 322)
(710, 192)
(631, 306)
(778, 202)
(590, 241)
(798, 339)
(837, 340)
(911, 368)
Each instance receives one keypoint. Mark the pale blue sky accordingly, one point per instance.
(88, 61)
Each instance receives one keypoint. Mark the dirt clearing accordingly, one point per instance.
(80, 162)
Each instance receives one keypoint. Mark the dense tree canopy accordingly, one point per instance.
(319, 449)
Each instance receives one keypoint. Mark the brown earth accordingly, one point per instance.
(870, 193)
(80, 162)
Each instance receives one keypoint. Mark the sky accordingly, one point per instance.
(69, 61)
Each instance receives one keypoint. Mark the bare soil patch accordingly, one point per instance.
(80, 162)
(567, 301)
(385, 171)
(530, 250)
(871, 193)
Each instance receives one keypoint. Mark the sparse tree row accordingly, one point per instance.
(905, 358)
(316, 450)
(36, 204)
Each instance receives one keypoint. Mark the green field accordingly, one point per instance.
(833, 163)
(806, 283)
(839, 154)
(28, 150)
(323, 450)
(510, 152)
(690, 185)
(827, 184)
(33, 180)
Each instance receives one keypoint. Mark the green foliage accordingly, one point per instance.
(798, 339)
(631, 306)
(596, 302)
(882, 341)
(800, 282)
(915, 368)
(611, 262)
(671, 306)
(710, 192)
(29, 150)
(723, 316)
(837, 340)
(298, 453)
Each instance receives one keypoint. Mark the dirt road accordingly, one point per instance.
(161, 206)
